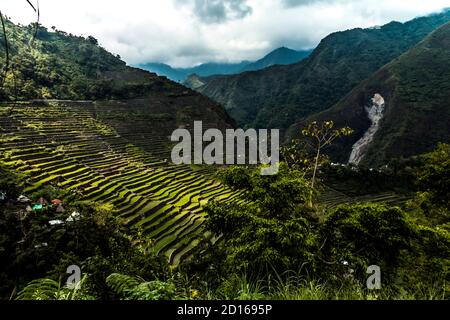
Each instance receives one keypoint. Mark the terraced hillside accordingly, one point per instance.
(67, 144)
(330, 198)
(149, 122)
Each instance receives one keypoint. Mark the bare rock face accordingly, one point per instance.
(375, 113)
(194, 82)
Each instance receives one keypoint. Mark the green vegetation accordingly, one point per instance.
(280, 96)
(325, 251)
(416, 90)
(94, 239)
(262, 238)
(62, 145)
(111, 152)
(274, 245)
(57, 65)
(88, 183)
(323, 135)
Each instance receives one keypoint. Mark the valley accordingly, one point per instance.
(65, 144)
(281, 96)
(348, 163)
(280, 56)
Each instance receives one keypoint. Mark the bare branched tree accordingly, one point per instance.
(322, 135)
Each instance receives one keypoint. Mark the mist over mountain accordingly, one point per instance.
(280, 56)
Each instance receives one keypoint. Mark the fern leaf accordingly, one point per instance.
(121, 284)
(41, 289)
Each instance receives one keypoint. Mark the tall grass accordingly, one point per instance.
(302, 288)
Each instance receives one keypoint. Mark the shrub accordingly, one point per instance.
(130, 288)
(272, 232)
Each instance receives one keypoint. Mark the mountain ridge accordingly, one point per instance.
(280, 56)
(279, 96)
(62, 66)
(416, 89)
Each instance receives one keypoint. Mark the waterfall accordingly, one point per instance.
(375, 113)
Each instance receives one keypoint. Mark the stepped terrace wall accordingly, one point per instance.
(108, 153)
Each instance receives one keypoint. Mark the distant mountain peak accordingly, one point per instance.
(280, 56)
(283, 49)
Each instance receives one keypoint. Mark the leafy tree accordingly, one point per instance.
(11, 184)
(92, 40)
(434, 175)
(277, 195)
(430, 261)
(431, 171)
(298, 155)
(237, 177)
(272, 231)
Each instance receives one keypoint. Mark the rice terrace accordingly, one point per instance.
(178, 150)
(82, 147)
(66, 144)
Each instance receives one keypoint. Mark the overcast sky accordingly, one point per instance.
(189, 32)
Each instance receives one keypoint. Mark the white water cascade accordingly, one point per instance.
(375, 114)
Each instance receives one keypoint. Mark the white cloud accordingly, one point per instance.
(187, 32)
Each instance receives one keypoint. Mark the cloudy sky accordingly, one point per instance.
(189, 32)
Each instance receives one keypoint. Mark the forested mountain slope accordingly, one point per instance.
(279, 96)
(57, 65)
(416, 113)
